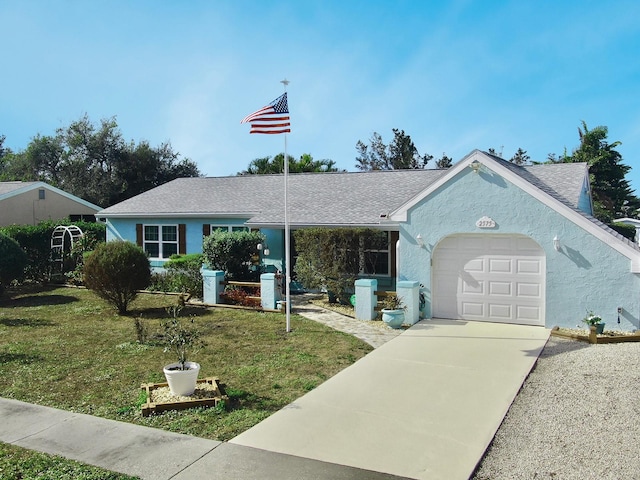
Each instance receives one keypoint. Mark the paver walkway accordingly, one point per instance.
(375, 332)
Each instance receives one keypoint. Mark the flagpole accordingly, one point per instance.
(287, 246)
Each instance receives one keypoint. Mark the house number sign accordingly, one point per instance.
(486, 222)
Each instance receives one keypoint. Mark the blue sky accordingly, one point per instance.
(454, 75)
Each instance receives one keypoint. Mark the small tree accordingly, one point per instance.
(233, 252)
(115, 271)
(12, 261)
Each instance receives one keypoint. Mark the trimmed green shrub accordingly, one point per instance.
(12, 261)
(182, 275)
(628, 231)
(235, 253)
(115, 271)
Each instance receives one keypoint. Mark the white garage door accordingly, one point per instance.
(495, 278)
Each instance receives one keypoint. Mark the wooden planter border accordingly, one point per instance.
(150, 407)
(592, 337)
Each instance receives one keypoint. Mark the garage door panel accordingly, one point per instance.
(500, 311)
(472, 309)
(500, 288)
(531, 290)
(533, 267)
(489, 277)
(500, 265)
(528, 313)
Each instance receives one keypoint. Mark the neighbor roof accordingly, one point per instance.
(9, 189)
(339, 198)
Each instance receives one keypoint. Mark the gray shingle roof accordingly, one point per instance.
(344, 198)
(355, 198)
(8, 187)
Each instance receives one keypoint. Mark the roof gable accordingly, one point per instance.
(543, 183)
(11, 189)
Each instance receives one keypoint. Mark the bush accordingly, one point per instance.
(186, 274)
(240, 296)
(333, 258)
(115, 271)
(12, 261)
(35, 241)
(235, 253)
(628, 231)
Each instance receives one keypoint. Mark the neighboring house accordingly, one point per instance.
(487, 239)
(633, 222)
(29, 203)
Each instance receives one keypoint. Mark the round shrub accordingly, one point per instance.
(116, 271)
(12, 261)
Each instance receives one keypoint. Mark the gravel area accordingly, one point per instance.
(576, 417)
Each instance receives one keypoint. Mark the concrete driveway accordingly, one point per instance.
(424, 405)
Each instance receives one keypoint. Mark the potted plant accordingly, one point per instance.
(181, 339)
(594, 321)
(393, 309)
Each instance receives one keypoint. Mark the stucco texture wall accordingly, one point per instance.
(28, 209)
(586, 274)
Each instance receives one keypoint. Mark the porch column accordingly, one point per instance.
(409, 292)
(366, 299)
(211, 285)
(269, 291)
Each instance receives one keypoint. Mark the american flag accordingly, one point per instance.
(274, 118)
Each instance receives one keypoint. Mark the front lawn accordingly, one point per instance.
(20, 463)
(66, 348)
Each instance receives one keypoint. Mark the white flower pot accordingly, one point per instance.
(182, 382)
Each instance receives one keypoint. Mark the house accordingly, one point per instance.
(29, 203)
(487, 240)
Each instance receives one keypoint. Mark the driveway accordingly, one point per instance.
(423, 405)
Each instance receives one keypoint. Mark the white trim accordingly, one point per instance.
(569, 213)
(143, 215)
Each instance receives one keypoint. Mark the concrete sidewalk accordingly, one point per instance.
(151, 453)
(425, 405)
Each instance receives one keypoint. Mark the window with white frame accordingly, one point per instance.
(160, 241)
(218, 227)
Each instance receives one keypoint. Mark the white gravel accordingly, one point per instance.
(576, 417)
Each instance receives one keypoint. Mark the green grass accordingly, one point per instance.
(66, 348)
(19, 463)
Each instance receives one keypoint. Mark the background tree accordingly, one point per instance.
(275, 165)
(94, 162)
(401, 153)
(520, 157)
(444, 162)
(612, 194)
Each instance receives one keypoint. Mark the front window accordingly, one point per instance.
(228, 228)
(160, 241)
(374, 258)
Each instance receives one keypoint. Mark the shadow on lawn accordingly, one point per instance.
(26, 322)
(38, 301)
(21, 358)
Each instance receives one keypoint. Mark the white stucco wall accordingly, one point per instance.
(586, 274)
